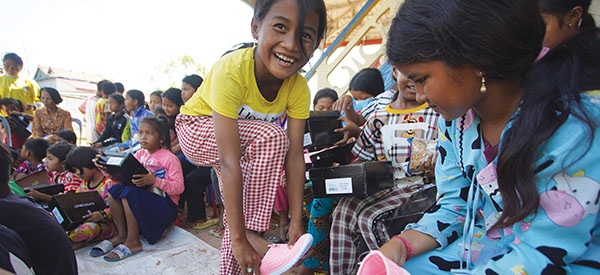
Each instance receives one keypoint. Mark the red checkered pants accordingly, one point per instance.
(263, 146)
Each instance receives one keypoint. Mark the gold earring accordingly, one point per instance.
(570, 25)
(483, 89)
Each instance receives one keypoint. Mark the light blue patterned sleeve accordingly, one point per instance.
(444, 222)
(563, 237)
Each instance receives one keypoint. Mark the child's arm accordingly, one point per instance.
(228, 144)
(294, 169)
(172, 184)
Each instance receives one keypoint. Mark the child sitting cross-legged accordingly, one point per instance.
(150, 206)
(55, 161)
(98, 225)
(33, 154)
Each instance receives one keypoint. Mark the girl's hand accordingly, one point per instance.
(97, 145)
(351, 131)
(429, 165)
(394, 250)
(30, 107)
(95, 216)
(36, 195)
(246, 256)
(141, 180)
(98, 165)
(343, 103)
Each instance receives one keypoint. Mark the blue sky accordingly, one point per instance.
(124, 40)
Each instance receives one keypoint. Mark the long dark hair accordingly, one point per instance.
(563, 7)
(501, 38)
(262, 7)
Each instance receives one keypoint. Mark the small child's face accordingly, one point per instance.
(169, 107)
(9, 108)
(53, 163)
(187, 91)
(154, 101)
(130, 104)
(24, 153)
(360, 95)
(149, 137)
(406, 87)
(114, 105)
(324, 104)
(85, 173)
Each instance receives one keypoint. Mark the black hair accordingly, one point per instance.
(12, 101)
(100, 83)
(161, 125)
(325, 92)
(159, 111)
(108, 88)
(502, 44)
(120, 87)
(156, 93)
(137, 95)
(368, 80)
(54, 94)
(79, 158)
(174, 95)
(61, 150)
(67, 135)
(262, 7)
(6, 160)
(14, 57)
(117, 97)
(38, 147)
(501, 39)
(239, 46)
(193, 80)
(563, 7)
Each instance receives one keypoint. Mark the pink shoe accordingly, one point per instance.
(280, 258)
(377, 264)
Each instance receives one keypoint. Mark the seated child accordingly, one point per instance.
(44, 238)
(171, 103)
(150, 206)
(17, 118)
(324, 99)
(134, 103)
(99, 225)
(33, 154)
(66, 135)
(115, 124)
(55, 162)
(354, 215)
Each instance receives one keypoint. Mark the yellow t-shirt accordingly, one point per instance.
(231, 90)
(19, 88)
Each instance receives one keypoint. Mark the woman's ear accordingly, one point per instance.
(574, 16)
(254, 28)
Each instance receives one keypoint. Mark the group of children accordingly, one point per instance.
(514, 130)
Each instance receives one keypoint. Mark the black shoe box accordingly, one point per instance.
(122, 168)
(359, 179)
(319, 130)
(69, 208)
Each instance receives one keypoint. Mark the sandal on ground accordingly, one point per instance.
(122, 252)
(102, 248)
(218, 233)
(206, 224)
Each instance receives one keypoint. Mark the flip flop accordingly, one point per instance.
(102, 248)
(122, 252)
(206, 224)
(215, 233)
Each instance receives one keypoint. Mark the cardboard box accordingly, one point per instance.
(319, 128)
(359, 179)
(122, 168)
(40, 181)
(69, 208)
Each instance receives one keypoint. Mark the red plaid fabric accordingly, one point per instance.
(68, 179)
(354, 217)
(263, 146)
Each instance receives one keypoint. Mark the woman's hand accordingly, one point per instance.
(97, 145)
(351, 132)
(394, 250)
(95, 216)
(141, 180)
(246, 256)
